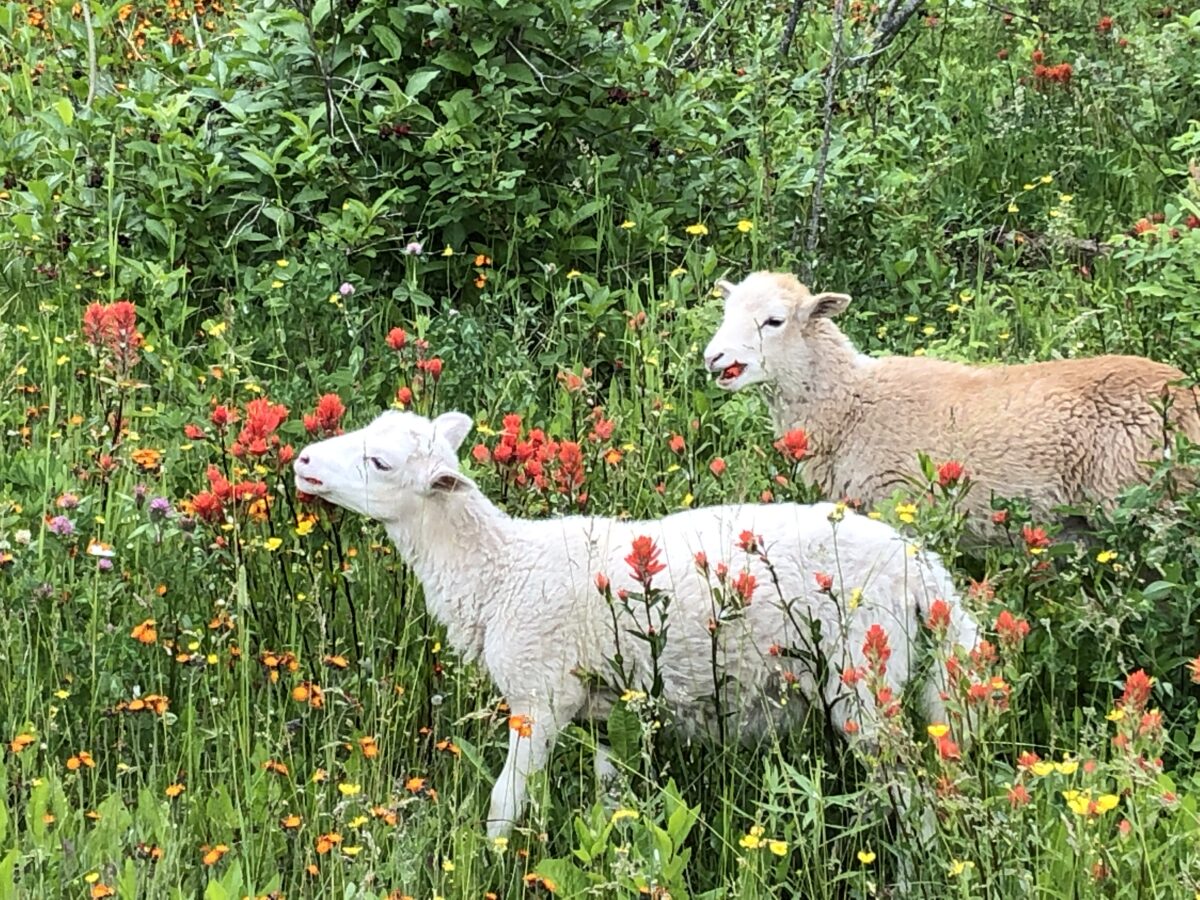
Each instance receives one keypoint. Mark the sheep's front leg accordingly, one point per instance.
(530, 739)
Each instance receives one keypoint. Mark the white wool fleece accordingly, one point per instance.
(521, 596)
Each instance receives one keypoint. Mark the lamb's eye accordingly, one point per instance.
(379, 464)
(773, 322)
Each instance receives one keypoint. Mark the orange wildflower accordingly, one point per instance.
(327, 842)
(146, 459)
(385, 815)
(310, 693)
(82, 758)
(212, 855)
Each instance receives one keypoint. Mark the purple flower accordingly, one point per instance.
(414, 248)
(160, 508)
(105, 565)
(62, 526)
(347, 289)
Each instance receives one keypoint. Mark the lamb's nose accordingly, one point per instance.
(304, 460)
(712, 360)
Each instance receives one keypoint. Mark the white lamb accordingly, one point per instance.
(522, 597)
(1068, 432)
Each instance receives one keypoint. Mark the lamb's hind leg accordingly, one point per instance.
(859, 720)
(532, 731)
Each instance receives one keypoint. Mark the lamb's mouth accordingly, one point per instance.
(731, 373)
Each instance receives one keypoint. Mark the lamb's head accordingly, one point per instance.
(386, 469)
(767, 317)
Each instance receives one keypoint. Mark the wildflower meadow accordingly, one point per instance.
(231, 229)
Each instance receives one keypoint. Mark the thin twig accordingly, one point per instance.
(331, 105)
(718, 16)
(890, 24)
(814, 213)
(93, 70)
(525, 59)
(789, 30)
(995, 7)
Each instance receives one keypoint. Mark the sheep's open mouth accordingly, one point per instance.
(309, 480)
(730, 373)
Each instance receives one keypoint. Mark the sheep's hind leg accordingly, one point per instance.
(608, 777)
(856, 717)
(530, 740)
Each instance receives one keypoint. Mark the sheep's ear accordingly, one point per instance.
(827, 305)
(447, 481)
(723, 287)
(453, 427)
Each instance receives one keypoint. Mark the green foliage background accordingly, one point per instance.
(228, 169)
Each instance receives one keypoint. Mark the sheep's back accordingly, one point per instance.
(1058, 433)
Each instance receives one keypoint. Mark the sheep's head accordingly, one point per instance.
(385, 468)
(766, 317)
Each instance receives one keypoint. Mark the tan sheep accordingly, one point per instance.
(1067, 432)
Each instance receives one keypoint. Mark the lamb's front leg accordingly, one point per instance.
(531, 735)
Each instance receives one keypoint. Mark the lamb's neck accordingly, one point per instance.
(815, 390)
(454, 545)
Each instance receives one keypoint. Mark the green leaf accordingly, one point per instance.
(8, 875)
(419, 80)
(455, 62)
(624, 734)
(569, 879)
(482, 45)
(390, 40)
(65, 110)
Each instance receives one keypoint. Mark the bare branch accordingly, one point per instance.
(890, 24)
(831, 77)
(789, 30)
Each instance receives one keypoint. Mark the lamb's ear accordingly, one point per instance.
(826, 305)
(723, 287)
(448, 481)
(453, 427)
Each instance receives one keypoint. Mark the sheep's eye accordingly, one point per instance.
(773, 322)
(379, 464)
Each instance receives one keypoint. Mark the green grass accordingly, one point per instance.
(238, 785)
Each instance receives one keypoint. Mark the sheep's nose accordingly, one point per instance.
(304, 460)
(712, 361)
